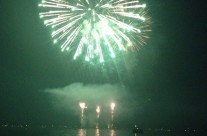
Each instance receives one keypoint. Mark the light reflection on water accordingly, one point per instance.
(84, 132)
(108, 132)
(87, 132)
(81, 132)
(113, 133)
(97, 132)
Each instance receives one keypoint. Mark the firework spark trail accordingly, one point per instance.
(95, 27)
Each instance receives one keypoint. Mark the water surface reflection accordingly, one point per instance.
(96, 132)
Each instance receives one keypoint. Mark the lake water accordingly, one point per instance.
(87, 132)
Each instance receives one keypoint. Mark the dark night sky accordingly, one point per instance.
(170, 69)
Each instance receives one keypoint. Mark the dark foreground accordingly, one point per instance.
(88, 132)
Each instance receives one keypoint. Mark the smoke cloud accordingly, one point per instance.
(66, 99)
(91, 94)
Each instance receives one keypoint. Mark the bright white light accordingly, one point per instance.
(112, 106)
(82, 105)
(98, 109)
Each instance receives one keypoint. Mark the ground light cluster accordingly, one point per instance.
(98, 29)
(98, 110)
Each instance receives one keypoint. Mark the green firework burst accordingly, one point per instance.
(95, 28)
